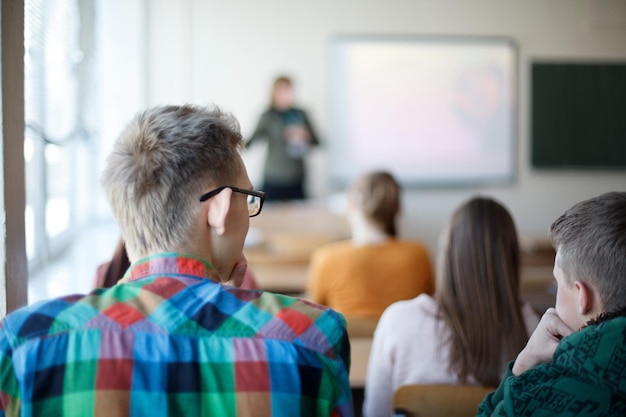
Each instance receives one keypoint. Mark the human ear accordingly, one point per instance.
(219, 205)
(585, 297)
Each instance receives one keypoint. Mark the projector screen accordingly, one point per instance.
(434, 111)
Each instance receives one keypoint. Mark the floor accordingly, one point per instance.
(74, 271)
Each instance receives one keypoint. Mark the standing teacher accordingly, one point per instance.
(289, 136)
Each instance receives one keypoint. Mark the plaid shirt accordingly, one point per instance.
(170, 342)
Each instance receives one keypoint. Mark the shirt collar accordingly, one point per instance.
(170, 264)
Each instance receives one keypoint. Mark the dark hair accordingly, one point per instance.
(590, 239)
(377, 195)
(478, 290)
(109, 273)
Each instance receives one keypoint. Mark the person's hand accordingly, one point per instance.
(542, 343)
(297, 133)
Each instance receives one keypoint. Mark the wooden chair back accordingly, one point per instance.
(438, 400)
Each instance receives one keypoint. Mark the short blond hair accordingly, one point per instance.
(161, 163)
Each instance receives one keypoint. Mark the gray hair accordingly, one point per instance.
(591, 240)
(160, 165)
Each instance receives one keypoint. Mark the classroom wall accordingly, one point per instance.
(228, 52)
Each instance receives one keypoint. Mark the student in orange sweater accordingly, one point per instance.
(364, 275)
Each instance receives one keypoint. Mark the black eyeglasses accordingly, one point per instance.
(255, 198)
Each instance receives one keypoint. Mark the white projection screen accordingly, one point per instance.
(434, 111)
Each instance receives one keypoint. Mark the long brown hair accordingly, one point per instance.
(110, 272)
(478, 290)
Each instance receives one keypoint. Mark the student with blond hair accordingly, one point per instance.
(171, 339)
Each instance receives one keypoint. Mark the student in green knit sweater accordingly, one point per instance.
(575, 362)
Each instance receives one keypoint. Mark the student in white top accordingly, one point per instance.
(473, 324)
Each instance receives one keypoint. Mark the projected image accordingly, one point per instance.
(431, 110)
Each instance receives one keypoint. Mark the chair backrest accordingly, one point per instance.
(438, 400)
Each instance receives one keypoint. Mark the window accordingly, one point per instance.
(59, 140)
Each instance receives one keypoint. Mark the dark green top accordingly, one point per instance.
(586, 377)
(281, 165)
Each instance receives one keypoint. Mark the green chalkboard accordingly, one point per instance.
(578, 115)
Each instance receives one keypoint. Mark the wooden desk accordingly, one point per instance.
(304, 218)
(284, 274)
(289, 233)
(537, 283)
(538, 287)
(360, 348)
(287, 276)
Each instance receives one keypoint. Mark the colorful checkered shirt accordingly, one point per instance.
(170, 342)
